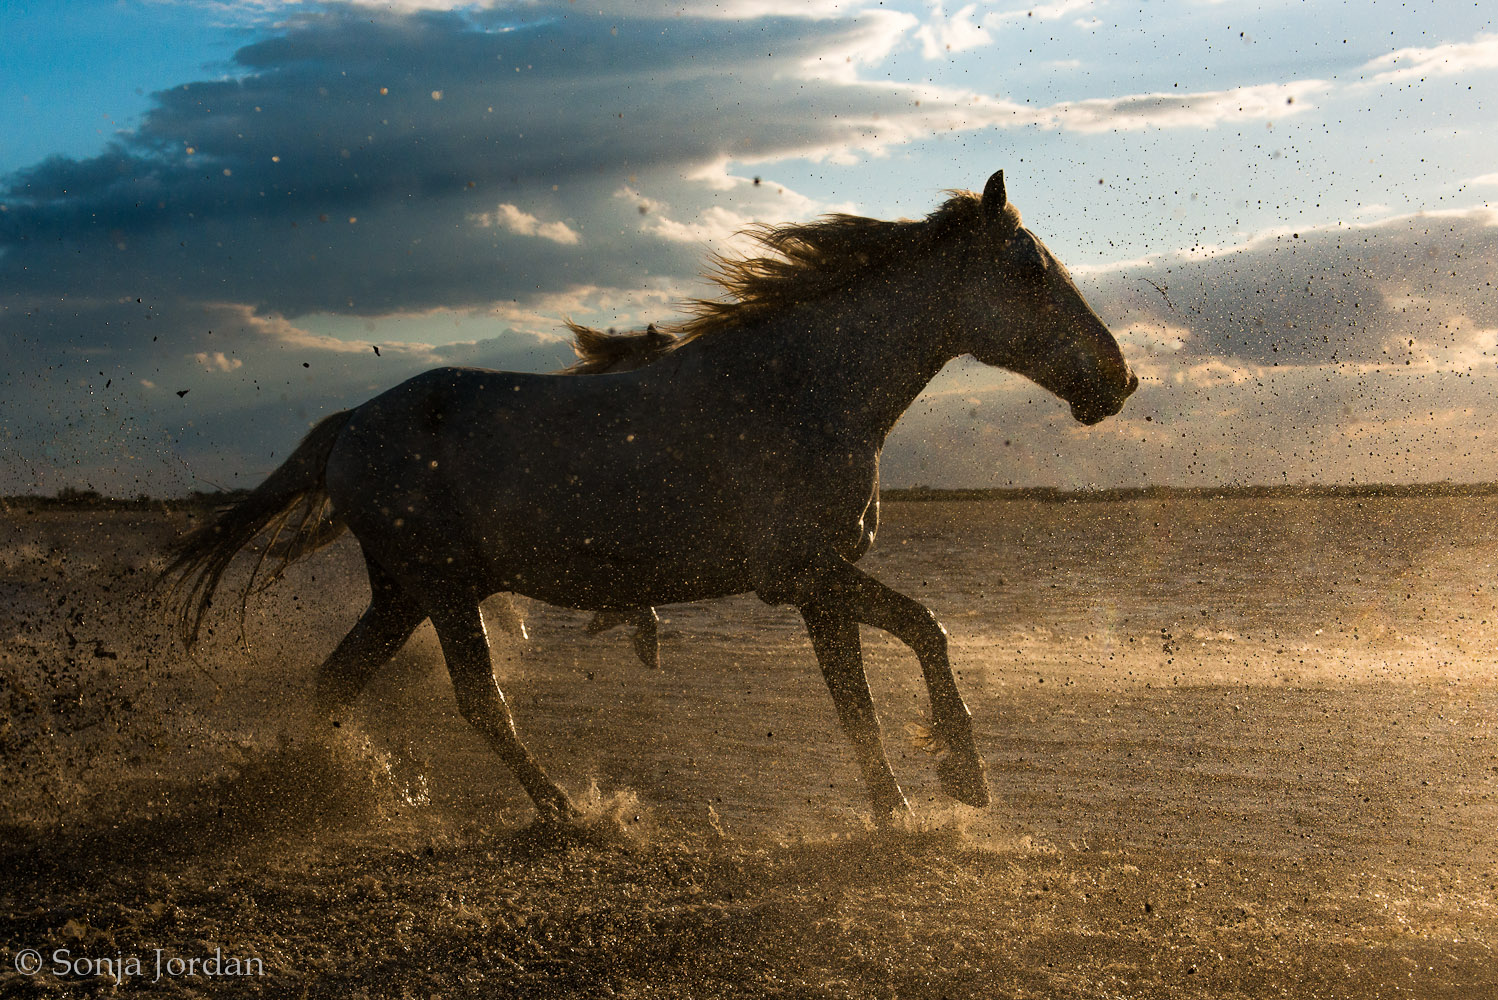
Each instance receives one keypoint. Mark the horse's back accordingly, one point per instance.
(536, 482)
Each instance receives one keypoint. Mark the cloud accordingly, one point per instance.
(1449, 59)
(1209, 424)
(1203, 109)
(1054, 11)
(1413, 288)
(218, 361)
(869, 40)
(323, 173)
(323, 176)
(651, 9)
(512, 219)
(184, 394)
(578, 163)
(942, 34)
(716, 228)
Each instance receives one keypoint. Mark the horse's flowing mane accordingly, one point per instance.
(600, 351)
(805, 262)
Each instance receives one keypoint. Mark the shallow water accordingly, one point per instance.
(1229, 734)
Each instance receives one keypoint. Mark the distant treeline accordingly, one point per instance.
(1049, 494)
(70, 498)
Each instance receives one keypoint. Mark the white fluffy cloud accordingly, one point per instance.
(943, 33)
(1449, 59)
(512, 219)
(1204, 109)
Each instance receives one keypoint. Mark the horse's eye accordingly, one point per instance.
(1027, 259)
(1032, 257)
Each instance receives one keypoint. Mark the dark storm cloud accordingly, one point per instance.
(173, 395)
(368, 163)
(1347, 295)
(348, 161)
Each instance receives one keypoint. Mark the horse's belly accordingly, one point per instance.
(583, 579)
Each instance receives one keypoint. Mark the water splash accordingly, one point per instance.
(318, 778)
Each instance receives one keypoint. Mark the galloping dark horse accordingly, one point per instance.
(597, 354)
(744, 458)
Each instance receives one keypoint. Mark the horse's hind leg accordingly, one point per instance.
(834, 637)
(961, 769)
(380, 632)
(466, 649)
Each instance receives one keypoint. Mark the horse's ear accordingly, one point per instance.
(994, 198)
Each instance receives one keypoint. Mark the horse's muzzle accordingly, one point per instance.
(1093, 410)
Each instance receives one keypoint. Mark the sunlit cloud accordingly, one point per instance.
(217, 361)
(1053, 11)
(1409, 291)
(942, 33)
(512, 219)
(1151, 339)
(1203, 109)
(1450, 59)
(867, 42)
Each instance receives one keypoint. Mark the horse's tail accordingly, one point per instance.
(292, 495)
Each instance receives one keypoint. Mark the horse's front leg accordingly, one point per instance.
(963, 775)
(646, 638)
(834, 637)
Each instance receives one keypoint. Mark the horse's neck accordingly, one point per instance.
(860, 360)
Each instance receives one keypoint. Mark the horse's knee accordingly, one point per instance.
(929, 636)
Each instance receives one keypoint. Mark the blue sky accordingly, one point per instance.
(240, 201)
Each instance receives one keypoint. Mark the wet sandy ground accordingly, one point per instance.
(1237, 749)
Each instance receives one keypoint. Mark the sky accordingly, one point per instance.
(213, 213)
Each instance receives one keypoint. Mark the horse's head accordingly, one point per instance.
(1029, 317)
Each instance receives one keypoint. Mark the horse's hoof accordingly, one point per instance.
(964, 777)
(648, 649)
(557, 810)
(890, 809)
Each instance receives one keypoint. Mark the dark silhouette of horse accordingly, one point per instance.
(745, 458)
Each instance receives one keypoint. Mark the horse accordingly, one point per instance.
(598, 352)
(743, 459)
